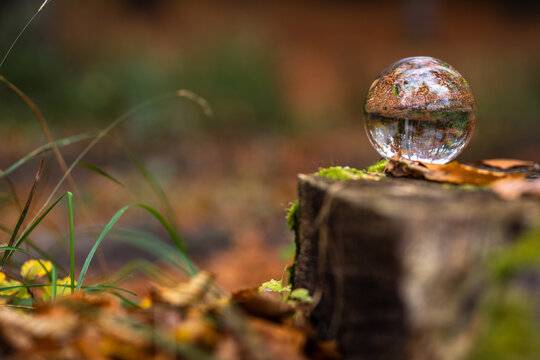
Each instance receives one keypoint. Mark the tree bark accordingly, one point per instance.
(396, 266)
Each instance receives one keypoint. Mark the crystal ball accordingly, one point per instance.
(420, 108)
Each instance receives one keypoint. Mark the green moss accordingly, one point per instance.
(377, 167)
(509, 327)
(510, 330)
(341, 173)
(522, 255)
(293, 223)
(292, 215)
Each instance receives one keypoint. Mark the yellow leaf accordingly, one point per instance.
(33, 269)
(62, 288)
(21, 292)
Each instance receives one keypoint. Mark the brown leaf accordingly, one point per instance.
(452, 172)
(262, 304)
(185, 294)
(505, 164)
(284, 342)
(512, 189)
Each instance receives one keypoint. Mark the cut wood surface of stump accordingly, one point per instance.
(397, 266)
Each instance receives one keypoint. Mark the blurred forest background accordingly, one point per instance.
(286, 81)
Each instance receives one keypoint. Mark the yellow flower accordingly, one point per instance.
(33, 269)
(63, 287)
(2, 276)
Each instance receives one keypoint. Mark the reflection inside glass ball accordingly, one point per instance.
(420, 108)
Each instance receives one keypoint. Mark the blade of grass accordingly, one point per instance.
(32, 226)
(12, 191)
(108, 287)
(71, 243)
(172, 233)
(6, 248)
(100, 135)
(45, 255)
(22, 32)
(96, 139)
(47, 147)
(45, 128)
(35, 248)
(149, 178)
(108, 227)
(23, 214)
(151, 244)
(143, 266)
(123, 298)
(54, 282)
(100, 172)
(112, 222)
(179, 253)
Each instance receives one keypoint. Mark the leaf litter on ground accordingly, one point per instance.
(191, 320)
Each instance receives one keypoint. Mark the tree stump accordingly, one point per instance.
(397, 265)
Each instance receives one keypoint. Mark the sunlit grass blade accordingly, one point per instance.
(23, 214)
(71, 243)
(100, 172)
(47, 147)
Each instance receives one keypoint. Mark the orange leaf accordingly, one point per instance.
(505, 164)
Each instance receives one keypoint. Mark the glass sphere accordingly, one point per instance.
(421, 108)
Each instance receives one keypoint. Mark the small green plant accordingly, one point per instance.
(289, 295)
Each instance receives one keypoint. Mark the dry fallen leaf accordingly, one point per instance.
(505, 164)
(263, 304)
(452, 172)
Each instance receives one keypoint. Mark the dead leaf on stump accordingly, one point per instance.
(453, 172)
(509, 182)
(506, 164)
